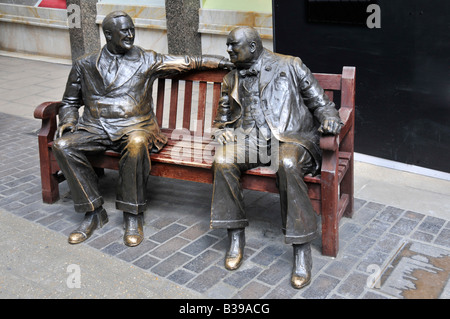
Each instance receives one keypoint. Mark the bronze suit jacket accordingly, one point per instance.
(126, 103)
(293, 102)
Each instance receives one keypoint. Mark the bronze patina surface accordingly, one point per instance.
(271, 105)
(115, 88)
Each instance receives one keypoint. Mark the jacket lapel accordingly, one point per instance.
(268, 70)
(130, 63)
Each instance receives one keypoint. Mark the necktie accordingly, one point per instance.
(112, 70)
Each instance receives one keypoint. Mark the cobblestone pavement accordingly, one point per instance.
(408, 252)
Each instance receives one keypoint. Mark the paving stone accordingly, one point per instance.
(443, 238)
(348, 230)
(267, 255)
(146, 262)
(353, 286)
(35, 215)
(320, 287)
(200, 245)
(388, 243)
(404, 226)
(390, 214)
(50, 219)
(283, 290)
(167, 233)
(340, 269)
(373, 257)
(207, 279)
(242, 276)
(375, 206)
(376, 228)
(195, 231)
(221, 291)
(357, 204)
(114, 248)
(163, 221)
(431, 225)
(359, 246)
(278, 270)
(413, 215)
(168, 248)
(253, 290)
(181, 276)
(203, 261)
(105, 239)
(132, 253)
(168, 265)
(59, 225)
(418, 235)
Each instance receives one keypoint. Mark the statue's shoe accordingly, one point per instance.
(235, 254)
(91, 222)
(301, 271)
(134, 229)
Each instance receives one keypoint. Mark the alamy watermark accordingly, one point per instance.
(74, 16)
(74, 278)
(374, 19)
(374, 280)
(241, 147)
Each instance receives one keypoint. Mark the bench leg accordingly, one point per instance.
(50, 188)
(49, 181)
(330, 234)
(347, 187)
(330, 200)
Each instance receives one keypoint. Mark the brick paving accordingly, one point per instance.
(179, 245)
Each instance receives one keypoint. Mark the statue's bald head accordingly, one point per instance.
(244, 45)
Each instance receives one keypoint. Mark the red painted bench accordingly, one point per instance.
(186, 118)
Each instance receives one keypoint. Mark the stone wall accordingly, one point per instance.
(193, 30)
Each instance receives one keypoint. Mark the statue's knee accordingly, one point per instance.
(288, 163)
(60, 145)
(137, 142)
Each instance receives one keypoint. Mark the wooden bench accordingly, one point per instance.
(186, 118)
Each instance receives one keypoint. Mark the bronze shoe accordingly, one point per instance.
(91, 221)
(134, 229)
(235, 254)
(301, 272)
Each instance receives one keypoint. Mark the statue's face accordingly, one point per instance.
(240, 51)
(121, 37)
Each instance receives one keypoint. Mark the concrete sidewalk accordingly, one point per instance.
(400, 231)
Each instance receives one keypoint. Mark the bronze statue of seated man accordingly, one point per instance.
(275, 106)
(115, 88)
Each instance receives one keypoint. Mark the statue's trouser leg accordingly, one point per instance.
(134, 167)
(298, 216)
(227, 208)
(134, 170)
(70, 152)
(299, 220)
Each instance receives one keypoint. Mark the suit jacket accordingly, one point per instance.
(126, 103)
(293, 102)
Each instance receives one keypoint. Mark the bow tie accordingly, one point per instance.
(248, 72)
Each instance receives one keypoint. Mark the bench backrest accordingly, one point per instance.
(190, 100)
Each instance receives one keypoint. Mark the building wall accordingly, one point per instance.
(26, 26)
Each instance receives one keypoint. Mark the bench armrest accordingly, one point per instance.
(47, 110)
(331, 142)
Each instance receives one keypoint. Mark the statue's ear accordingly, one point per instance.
(107, 34)
(253, 47)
